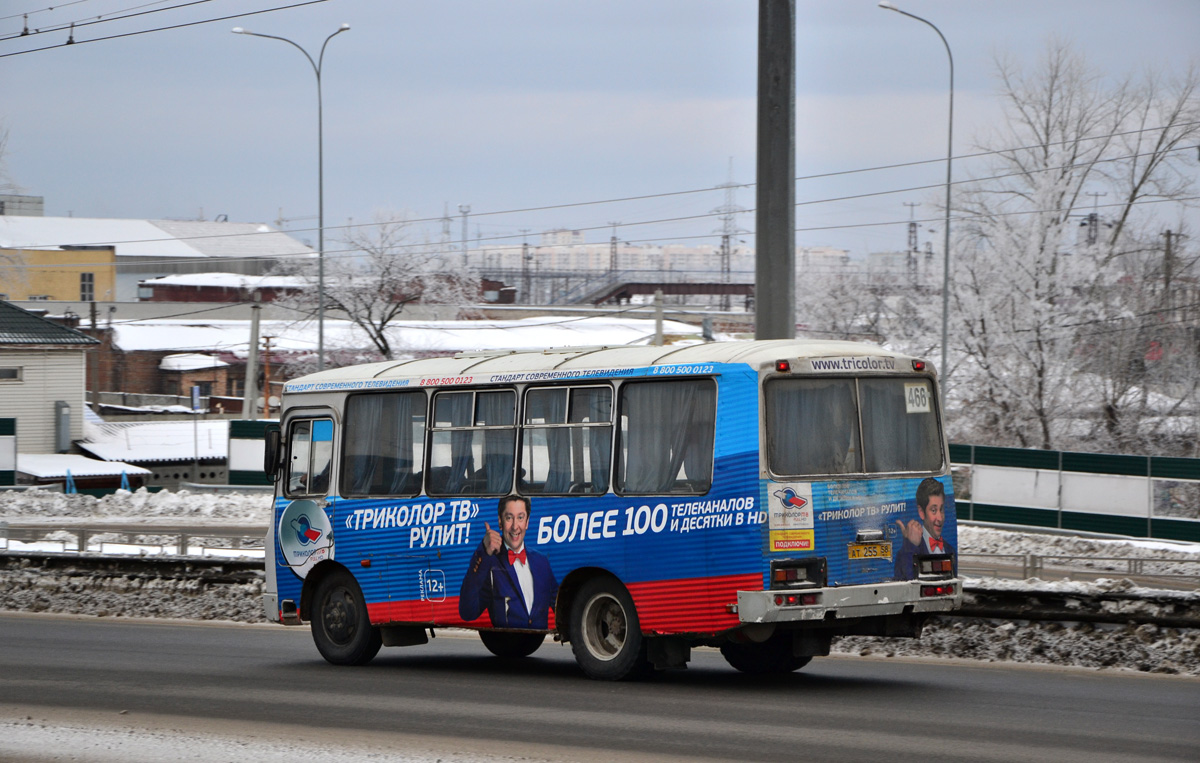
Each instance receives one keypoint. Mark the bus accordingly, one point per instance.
(634, 502)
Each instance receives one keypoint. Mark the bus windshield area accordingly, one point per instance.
(830, 426)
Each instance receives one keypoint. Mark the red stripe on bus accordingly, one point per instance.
(691, 605)
(688, 605)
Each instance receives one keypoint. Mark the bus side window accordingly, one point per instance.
(472, 442)
(666, 437)
(566, 440)
(384, 444)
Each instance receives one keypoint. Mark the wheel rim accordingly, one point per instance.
(339, 616)
(604, 626)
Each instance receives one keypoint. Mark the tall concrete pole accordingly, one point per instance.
(250, 388)
(775, 216)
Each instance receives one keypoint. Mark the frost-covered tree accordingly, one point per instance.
(382, 268)
(1032, 292)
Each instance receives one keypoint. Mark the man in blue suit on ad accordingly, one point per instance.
(924, 537)
(514, 584)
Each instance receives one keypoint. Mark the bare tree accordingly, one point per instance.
(383, 269)
(1037, 274)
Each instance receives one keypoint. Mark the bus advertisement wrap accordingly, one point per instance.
(762, 497)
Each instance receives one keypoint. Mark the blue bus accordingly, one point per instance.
(760, 497)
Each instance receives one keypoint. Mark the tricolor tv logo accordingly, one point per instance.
(305, 532)
(304, 536)
(791, 498)
(792, 508)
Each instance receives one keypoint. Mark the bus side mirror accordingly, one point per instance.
(274, 439)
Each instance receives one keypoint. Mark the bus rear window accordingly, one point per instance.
(851, 426)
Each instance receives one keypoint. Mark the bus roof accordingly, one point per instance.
(754, 353)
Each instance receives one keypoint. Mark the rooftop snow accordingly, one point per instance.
(149, 238)
(190, 361)
(47, 465)
(407, 336)
(154, 441)
(227, 281)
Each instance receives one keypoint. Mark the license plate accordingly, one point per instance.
(870, 550)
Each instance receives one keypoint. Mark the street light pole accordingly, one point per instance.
(316, 65)
(942, 369)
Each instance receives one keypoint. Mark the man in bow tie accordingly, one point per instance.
(513, 583)
(924, 537)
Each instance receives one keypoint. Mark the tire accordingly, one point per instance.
(511, 644)
(341, 627)
(605, 634)
(773, 656)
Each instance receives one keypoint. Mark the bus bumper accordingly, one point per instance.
(844, 602)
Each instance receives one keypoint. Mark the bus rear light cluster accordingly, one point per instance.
(798, 573)
(935, 566)
(937, 590)
(797, 599)
(783, 366)
(918, 365)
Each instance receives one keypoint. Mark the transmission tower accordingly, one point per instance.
(910, 259)
(612, 249)
(728, 215)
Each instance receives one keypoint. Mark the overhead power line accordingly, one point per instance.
(164, 28)
(101, 19)
(514, 237)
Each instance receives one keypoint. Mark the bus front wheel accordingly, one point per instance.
(341, 626)
(771, 656)
(605, 634)
(511, 644)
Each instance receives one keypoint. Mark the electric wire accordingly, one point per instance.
(658, 221)
(166, 28)
(90, 21)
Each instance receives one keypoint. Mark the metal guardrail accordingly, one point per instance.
(1060, 566)
(183, 537)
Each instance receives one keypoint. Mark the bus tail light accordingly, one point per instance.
(918, 365)
(937, 590)
(797, 599)
(783, 366)
(937, 565)
(798, 573)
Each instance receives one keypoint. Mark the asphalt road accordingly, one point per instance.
(451, 696)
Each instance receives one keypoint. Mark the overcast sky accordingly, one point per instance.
(521, 104)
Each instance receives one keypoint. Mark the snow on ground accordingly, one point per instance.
(123, 506)
(1146, 648)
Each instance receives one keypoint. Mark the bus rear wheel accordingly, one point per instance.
(341, 627)
(605, 634)
(511, 644)
(771, 656)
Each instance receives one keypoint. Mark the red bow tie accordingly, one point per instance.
(514, 557)
(934, 545)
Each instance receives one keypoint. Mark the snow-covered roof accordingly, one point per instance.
(227, 281)
(46, 465)
(190, 361)
(151, 441)
(149, 238)
(406, 336)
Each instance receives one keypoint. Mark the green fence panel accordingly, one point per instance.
(1014, 515)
